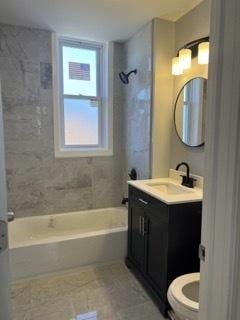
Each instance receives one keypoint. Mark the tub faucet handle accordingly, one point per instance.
(11, 216)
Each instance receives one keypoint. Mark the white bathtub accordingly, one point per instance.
(46, 244)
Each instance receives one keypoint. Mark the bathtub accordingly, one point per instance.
(53, 243)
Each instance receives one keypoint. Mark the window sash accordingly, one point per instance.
(98, 98)
(100, 124)
(83, 45)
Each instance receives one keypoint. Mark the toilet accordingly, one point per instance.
(183, 297)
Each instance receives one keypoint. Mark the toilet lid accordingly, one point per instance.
(177, 286)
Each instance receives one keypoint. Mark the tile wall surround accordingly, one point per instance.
(137, 103)
(37, 182)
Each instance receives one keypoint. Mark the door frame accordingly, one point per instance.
(5, 296)
(220, 273)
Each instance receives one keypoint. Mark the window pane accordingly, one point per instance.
(81, 122)
(79, 71)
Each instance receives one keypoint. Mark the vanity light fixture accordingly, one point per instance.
(176, 67)
(203, 53)
(185, 58)
(183, 61)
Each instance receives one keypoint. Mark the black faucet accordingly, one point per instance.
(124, 200)
(187, 181)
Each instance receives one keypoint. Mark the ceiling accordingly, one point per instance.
(93, 19)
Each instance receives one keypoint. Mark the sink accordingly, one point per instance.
(169, 188)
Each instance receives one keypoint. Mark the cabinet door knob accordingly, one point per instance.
(143, 201)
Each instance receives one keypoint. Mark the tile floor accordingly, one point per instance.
(100, 293)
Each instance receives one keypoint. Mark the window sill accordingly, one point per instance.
(84, 153)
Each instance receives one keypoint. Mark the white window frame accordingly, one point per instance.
(104, 97)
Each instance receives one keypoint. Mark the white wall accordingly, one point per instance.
(162, 96)
(193, 25)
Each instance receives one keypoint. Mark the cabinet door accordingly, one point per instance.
(136, 235)
(156, 251)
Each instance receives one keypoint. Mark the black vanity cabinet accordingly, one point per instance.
(136, 236)
(163, 242)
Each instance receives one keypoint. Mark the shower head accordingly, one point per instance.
(125, 76)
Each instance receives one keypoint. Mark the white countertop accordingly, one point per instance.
(192, 194)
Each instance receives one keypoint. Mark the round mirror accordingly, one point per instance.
(189, 115)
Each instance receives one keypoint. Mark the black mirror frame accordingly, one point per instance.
(175, 107)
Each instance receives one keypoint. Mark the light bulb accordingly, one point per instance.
(185, 58)
(203, 53)
(176, 67)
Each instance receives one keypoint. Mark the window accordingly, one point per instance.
(83, 103)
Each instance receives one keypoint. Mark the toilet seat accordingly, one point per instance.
(176, 289)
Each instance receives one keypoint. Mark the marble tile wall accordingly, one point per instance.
(37, 182)
(137, 103)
